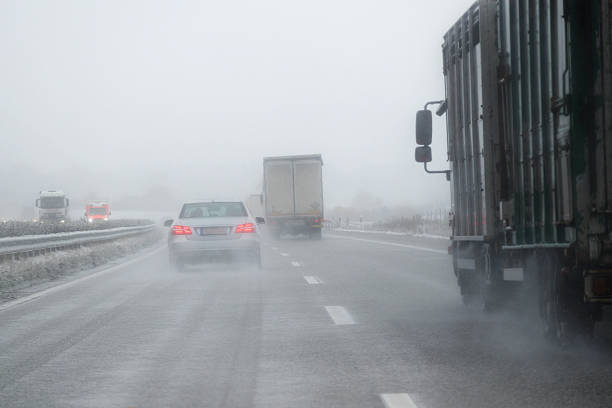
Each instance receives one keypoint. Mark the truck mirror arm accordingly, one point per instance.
(441, 110)
(447, 172)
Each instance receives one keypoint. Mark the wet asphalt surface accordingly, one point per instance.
(340, 322)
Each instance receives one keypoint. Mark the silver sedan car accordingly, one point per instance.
(206, 230)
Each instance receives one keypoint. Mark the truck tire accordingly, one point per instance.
(176, 264)
(276, 233)
(481, 289)
(564, 317)
(316, 234)
(257, 260)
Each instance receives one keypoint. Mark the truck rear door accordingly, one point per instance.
(279, 187)
(308, 189)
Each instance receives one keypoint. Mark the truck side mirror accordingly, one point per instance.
(423, 127)
(67, 202)
(422, 154)
(37, 204)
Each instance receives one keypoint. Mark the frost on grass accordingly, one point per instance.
(19, 228)
(18, 275)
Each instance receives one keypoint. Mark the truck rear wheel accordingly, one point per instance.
(480, 288)
(316, 233)
(276, 233)
(564, 317)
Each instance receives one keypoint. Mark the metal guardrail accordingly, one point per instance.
(14, 248)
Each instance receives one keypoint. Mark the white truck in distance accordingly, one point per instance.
(293, 194)
(52, 206)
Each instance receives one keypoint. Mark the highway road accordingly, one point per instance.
(348, 321)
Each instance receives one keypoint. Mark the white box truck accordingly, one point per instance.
(293, 194)
(52, 206)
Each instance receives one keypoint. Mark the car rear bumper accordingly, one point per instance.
(199, 250)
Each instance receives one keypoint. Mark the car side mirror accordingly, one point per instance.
(168, 223)
(422, 154)
(260, 220)
(423, 127)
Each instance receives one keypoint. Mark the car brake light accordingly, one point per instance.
(181, 230)
(248, 227)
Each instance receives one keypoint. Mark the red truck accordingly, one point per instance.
(97, 211)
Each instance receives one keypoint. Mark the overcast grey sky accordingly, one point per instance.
(114, 97)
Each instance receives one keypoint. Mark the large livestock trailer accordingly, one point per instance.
(529, 129)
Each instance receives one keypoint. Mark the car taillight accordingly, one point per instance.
(181, 230)
(248, 227)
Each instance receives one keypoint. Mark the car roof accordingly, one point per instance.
(212, 201)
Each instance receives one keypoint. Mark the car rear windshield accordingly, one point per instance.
(203, 210)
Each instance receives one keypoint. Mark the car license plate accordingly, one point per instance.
(213, 231)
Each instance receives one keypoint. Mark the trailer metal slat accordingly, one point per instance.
(606, 14)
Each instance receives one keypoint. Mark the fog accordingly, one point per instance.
(120, 98)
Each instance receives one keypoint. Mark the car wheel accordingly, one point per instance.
(257, 259)
(176, 264)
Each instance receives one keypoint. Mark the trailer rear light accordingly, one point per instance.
(316, 220)
(181, 230)
(248, 227)
(602, 286)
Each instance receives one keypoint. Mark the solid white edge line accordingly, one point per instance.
(339, 315)
(295, 263)
(397, 401)
(373, 241)
(313, 280)
(37, 295)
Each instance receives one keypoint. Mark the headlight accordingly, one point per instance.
(90, 220)
(62, 221)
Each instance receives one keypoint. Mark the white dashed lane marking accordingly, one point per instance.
(339, 315)
(275, 248)
(313, 280)
(295, 263)
(397, 401)
(284, 254)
